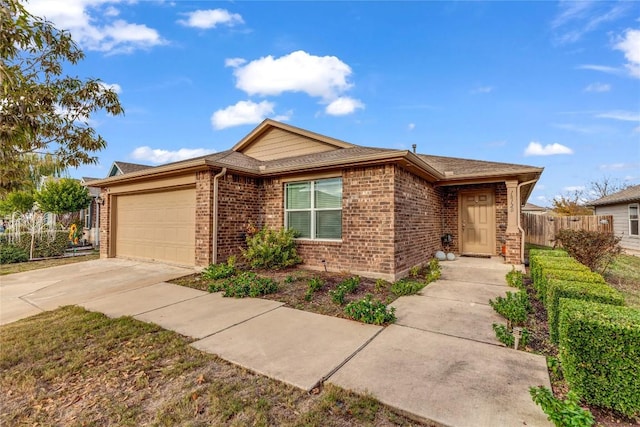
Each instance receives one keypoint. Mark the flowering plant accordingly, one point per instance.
(74, 234)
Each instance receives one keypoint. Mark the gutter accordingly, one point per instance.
(520, 217)
(214, 233)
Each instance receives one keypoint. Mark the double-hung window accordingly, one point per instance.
(314, 208)
(633, 220)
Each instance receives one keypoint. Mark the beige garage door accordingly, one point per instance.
(157, 226)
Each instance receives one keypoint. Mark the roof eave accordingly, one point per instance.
(166, 170)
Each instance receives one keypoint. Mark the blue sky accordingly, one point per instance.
(549, 84)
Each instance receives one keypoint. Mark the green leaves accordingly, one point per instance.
(371, 311)
(43, 110)
(273, 249)
(567, 413)
(514, 307)
(63, 196)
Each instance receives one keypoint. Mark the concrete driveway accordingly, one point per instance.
(31, 292)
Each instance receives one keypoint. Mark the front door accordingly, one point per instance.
(477, 223)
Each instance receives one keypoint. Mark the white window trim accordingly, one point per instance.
(312, 210)
(637, 206)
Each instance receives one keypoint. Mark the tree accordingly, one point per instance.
(570, 204)
(17, 201)
(606, 186)
(62, 196)
(42, 111)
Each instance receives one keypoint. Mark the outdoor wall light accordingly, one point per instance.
(100, 200)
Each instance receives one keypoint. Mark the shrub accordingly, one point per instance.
(600, 353)
(595, 249)
(574, 276)
(557, 289)
(246, 284)
(505, 336)
(567, 413)
(407, 287)
(45, 245)
(540, 264)
(515, 278)
(434, 270)
(313, 284)
(346, 286)
(221, 270)
(548, 253)
(381, 285)
(272, 249)
(370, 311)
(513, 306)
(10, 254)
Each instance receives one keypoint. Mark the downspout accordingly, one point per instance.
(520, 219)
(214, 242)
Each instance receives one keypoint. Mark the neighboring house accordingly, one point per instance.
(371, 211)
(91, 215)
(533, 209)
(624, 206)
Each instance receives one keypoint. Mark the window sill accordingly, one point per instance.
(320, 241)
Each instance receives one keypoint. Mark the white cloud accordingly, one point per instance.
(537, 149)
(113, 86)
(245, 113)
(482, 89)
(205, 19)
(343, 106)
(325, 77)
(598, 87)
(93, 27)
(577, 18)
(620, 166)
(601, 68)
(628, 116)
(234, 62)
(573, 188)
(630, 45)
(411, 126)
(159, 156)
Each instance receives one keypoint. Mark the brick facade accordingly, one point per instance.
(204, 218)
(105, 216)
(418, 225)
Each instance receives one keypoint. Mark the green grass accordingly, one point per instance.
(45, 263)
(624, 275)
(74, 367)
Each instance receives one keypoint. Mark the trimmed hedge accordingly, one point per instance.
(548, 253)
(541, 284)
(600, 353)
(541, 264)
(595, 292)
(43, 247)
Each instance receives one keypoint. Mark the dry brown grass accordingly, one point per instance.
(73, 367)
(45, 263)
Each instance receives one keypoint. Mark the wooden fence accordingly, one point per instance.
(541, 229)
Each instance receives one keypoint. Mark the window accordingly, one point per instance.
(314, 208)
(633, 220)
(87, 217)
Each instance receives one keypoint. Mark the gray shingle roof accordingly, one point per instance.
(630, 194)
(130, 167)
(457, 167)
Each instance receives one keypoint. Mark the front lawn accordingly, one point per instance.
(74, 367)
(624, 275)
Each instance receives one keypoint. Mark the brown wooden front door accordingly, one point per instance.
(477, 223)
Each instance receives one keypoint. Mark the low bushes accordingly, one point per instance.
(541, 263)
(272, 249)
(576, 276)
(595, 249)
(562, 413)
(45, 246)
(515, 279)
(371, 311)
(10, 254)
(221, 270)
(557, 289)
(346, 286)
(246, 284)
(600, 353)
(513, 306)
(407, 286)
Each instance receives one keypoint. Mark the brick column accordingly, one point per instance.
(105, 223)
(204, 218)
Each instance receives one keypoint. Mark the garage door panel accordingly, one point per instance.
(158, 226)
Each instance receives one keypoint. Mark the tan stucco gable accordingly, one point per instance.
(273, 140)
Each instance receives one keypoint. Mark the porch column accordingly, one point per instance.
(512, 234)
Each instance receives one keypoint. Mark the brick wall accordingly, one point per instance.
(239, 203)
(204, 218)
(418, 224)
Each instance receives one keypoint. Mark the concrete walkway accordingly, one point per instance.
(439, 362)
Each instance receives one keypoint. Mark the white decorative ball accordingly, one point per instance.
(440, 256)
(451, 256)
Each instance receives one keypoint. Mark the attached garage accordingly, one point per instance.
(156, 226)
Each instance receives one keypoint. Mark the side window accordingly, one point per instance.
(633, 220)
